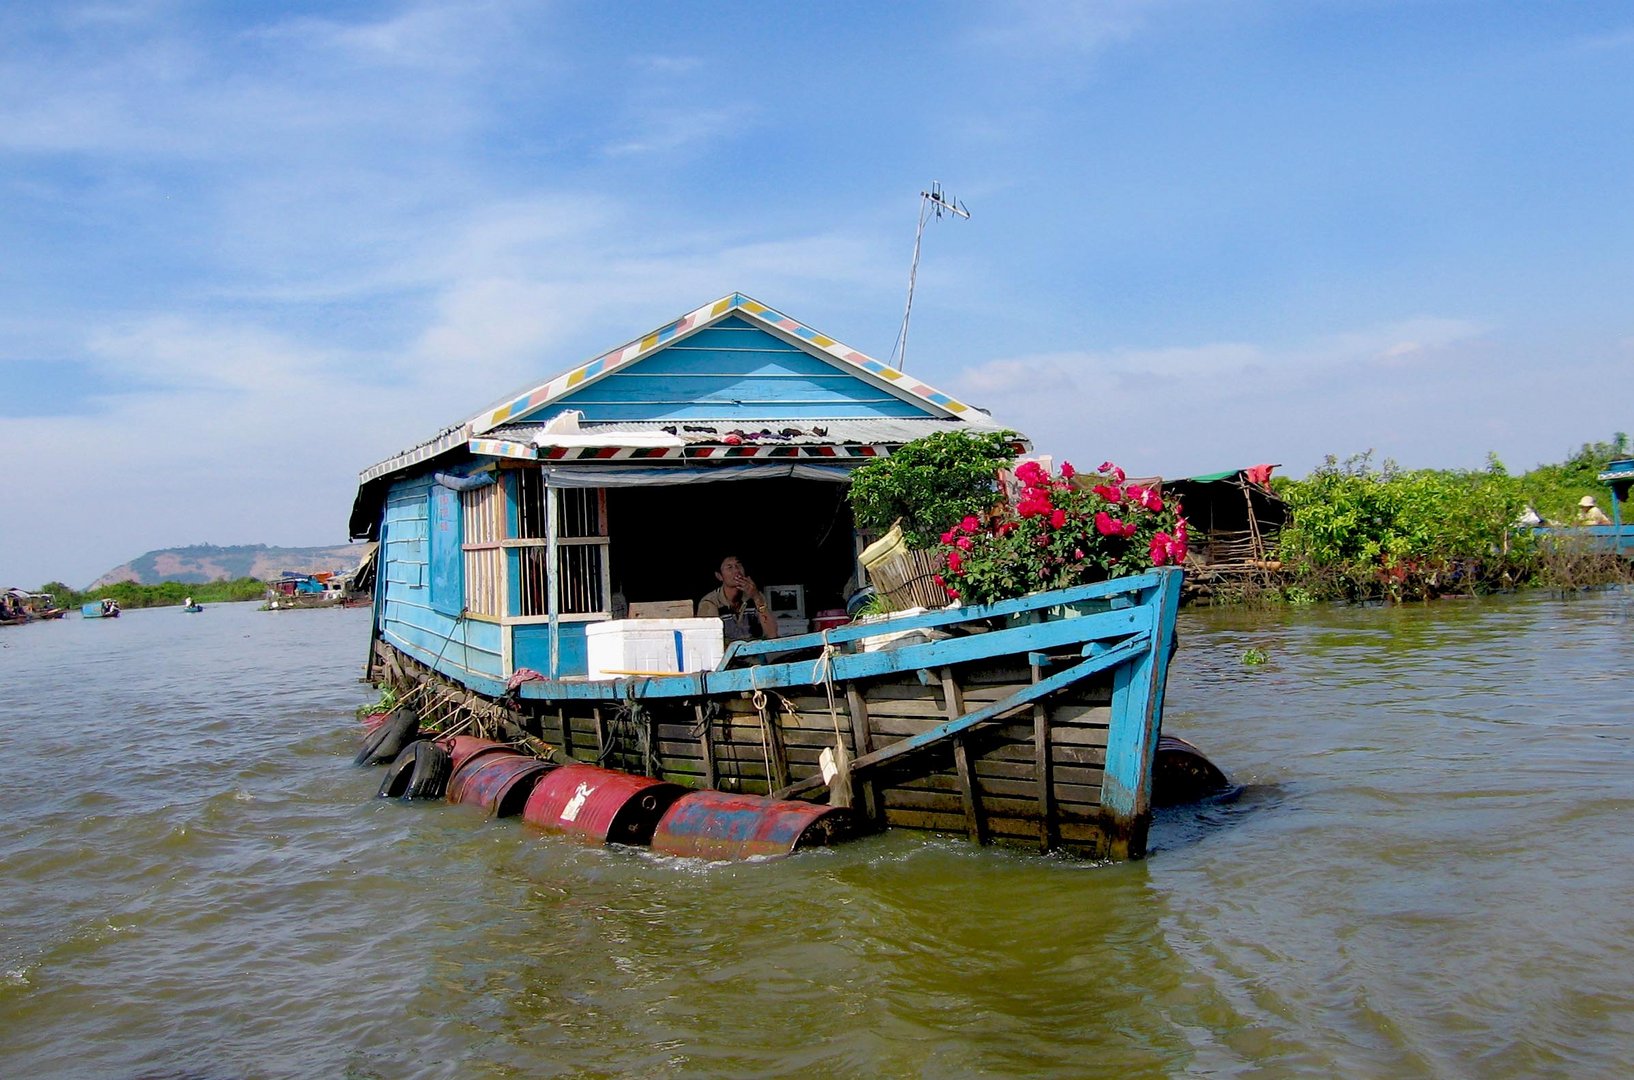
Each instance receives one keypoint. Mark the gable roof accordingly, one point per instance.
(819, 399)
(732, 309)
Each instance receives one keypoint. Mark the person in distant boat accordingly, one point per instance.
(1530, 518)
(743, 609)
(108, 607)
(1590, 514)
(188, 602)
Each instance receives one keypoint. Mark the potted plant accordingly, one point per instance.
(1059, 532)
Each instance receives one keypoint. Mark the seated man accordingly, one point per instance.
(1590, 514)
(739, 604)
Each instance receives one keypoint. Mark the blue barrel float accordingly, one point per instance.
(719, 825)
(600, 806)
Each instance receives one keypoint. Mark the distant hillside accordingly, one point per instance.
(206, 562)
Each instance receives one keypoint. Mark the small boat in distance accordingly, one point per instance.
(100, 609)
(191, 608)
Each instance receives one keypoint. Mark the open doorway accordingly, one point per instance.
(666, 542)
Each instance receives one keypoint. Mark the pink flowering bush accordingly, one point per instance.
(1062, 531)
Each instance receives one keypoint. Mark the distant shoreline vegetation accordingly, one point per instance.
(164, 594)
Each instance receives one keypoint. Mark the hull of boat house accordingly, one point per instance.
(609, 494)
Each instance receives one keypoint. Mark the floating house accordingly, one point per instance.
(1235, 520)
(538, 563)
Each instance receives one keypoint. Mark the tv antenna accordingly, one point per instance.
(932, 203)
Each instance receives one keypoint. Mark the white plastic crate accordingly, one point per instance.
(625, 647)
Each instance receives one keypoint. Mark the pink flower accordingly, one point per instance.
(1107, 525)
(1058, 518)
(1127, 528)
(1007, 528)
(1031, 472)
(970, 524)
(1178, 544)
(947, 537)
(1116, 473)
(1033, 503)
(1077, 553)
(1067, 471)
(1159, 549)
(954, 560)
(963, 543)
(1146, 497)
(1110, 492)
(939, 579)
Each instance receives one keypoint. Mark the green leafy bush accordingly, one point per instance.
(931, 484)
(1357, 531)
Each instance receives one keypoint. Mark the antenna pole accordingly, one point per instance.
(930, 202)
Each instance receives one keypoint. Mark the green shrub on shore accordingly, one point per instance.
(1358, 531)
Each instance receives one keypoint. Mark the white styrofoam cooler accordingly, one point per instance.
(647, 646)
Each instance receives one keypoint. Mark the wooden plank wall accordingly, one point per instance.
(724, 746)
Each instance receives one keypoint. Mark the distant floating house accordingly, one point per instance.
(1235, 521)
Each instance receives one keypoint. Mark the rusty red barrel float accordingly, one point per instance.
(462, 748)
(600, 805)
(498, 782)
(718, 825)
(1181, 774)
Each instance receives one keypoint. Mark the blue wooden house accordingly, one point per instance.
(732, 430)
(601, 501)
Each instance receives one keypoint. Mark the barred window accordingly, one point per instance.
(581, 548)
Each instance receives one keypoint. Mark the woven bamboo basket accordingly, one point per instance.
(907, 579)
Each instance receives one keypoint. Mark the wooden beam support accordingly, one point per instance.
(953, 703)
(706, 744)
(1041, 766)
(862, 742)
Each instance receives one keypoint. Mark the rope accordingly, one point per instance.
(758, 700)
(839, 789)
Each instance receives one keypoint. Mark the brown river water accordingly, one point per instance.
(1428, 874)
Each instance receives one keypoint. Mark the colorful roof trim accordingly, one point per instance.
(884, 375)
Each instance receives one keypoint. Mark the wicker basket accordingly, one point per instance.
(907, 579)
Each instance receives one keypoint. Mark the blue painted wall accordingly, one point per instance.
(735, 371)
(531, 648)
(408, 619)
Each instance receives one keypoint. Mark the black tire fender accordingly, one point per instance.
(429, 779)
(388, 740)
(399, 773)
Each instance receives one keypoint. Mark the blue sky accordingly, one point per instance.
(247, 250)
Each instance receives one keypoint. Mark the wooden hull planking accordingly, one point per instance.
(1038, 734)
